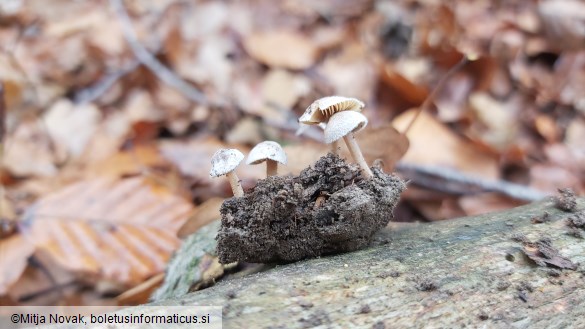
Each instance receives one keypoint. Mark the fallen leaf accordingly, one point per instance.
(546, 127)
(563, 21)
(281, 48)
(123, 231)
(72, 126)
(14, 253)
(136, 160)
(301, 156)
(412, 93)
(575, 138)
(383, 142)
(29, 138)
(497, 117)
(432, 143)
(283, 88)
(140, 107)
(350, 72)
(141, 293)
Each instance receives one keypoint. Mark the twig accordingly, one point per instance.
(440, 178)
(431, 98)
(147, 59)
(2, 118)
(94, 91)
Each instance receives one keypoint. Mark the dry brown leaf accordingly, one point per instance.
(546, 127)
(575, 138)
(140, 107)
(132, 162)
(498, 119)
(432, 143)
(300, 156)
(283, 88)
(351, 72)
(141, 293)
(384, 143)
(14, 253)
(123, 231)
(402, 86)
(246, 131)
(72, 126)
(205, 213)
(43, 282)
(564, 22)
(281, 48)
(29, 138)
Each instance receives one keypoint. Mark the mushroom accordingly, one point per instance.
(322, 109)
(268, 151)
(344, 124)
(224, 162)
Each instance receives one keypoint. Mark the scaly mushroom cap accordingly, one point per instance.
(225, 161)
(267, 150)
(343, 123)
(322, 109)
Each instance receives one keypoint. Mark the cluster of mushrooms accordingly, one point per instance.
(339, 117)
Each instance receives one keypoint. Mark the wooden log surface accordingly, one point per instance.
(469, 272)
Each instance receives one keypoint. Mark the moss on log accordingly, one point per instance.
(467, 272)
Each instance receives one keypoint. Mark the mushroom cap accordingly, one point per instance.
(323, 108)
(267, 150)
(225, 161)
(343, 123)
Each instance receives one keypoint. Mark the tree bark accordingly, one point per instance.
(467, 272)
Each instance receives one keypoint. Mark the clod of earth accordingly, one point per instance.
(329, 208)
(566, 200)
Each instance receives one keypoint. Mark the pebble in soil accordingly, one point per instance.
(329, 208)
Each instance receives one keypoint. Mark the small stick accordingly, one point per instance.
(94, 91)
(466, 59)
(145, 57)
(438, 178)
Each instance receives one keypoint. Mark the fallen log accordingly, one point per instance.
(513, 269)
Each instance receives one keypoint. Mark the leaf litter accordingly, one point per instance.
(133, 124)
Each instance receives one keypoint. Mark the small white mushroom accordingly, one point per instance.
(344, 124)
(224, 162)
(268, 151)
(323, 108)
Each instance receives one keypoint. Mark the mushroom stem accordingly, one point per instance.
(235, 184)
(356, 153)
(271, 168)
(335, 147)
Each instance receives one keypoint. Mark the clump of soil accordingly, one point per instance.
(566, 200)
(541, 219)
(329, 208)
(576, 224)
(577, 221)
